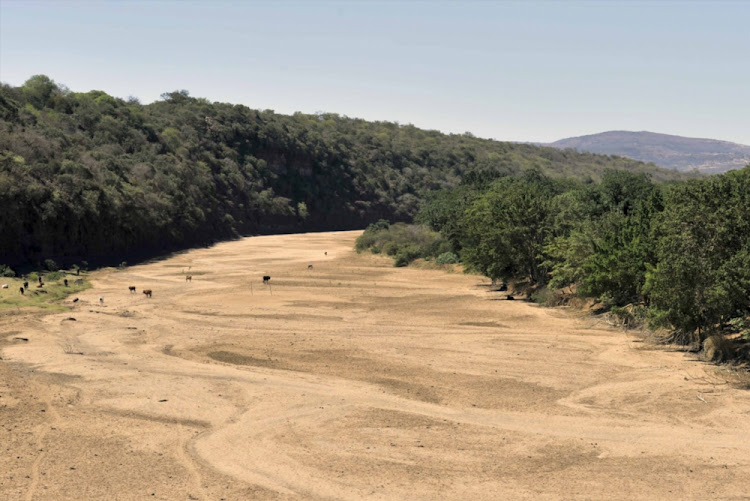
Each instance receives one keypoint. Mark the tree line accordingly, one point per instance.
(88, 176)
(673, 255)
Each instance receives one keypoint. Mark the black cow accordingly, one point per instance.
(266, 278)
(131, 288)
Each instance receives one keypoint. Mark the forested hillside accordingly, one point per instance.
(87, 176)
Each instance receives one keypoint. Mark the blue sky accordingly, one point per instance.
(523, 71)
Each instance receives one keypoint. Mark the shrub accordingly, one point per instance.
(630, 316)
(380, 225)
(50, 265)
(543, 296)
(447, 258)
(5, 271)
(390, 248)
(54, 275)
(406, 255)
(405, 242)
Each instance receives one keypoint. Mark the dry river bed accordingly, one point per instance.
(350, 380)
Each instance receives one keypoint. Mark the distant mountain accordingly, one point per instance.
(673, 152)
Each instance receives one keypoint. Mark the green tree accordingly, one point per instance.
(702, 279)
(508, 227)
(39, 90)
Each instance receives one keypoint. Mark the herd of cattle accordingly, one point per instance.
(131, 288)
(40, 285)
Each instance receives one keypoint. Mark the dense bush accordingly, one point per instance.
(405, 242)
(676, 254)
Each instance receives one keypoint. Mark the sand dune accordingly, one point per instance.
(352, 380)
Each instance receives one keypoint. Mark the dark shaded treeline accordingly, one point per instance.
(673, 255)
(86, 176)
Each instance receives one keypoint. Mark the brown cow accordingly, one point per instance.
(147, 292)
(309, 267)
(131, 289)
(188, 278)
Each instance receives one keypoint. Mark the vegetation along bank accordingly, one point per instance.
(670, 255)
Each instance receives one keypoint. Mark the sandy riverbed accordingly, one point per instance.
(351, 380)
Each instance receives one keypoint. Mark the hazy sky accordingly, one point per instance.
(526, 71)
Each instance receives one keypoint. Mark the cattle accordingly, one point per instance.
(65, 281)
(25, 285)
(188, 278)
(266, 278)
(510, 298)
(101, 300)
(39, 285)
(326, 253)
(21, 290)
(5, 286)
(147, 292)
(40, 279)
(131, 289)
(309, 267)
(75, 300)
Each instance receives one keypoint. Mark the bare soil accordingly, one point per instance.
(351, 380)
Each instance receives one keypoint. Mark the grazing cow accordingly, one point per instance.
(5, 286)
(147, 292)
(39, 285)
(40, 279)
(65, 281)
(26, 285)
(510, 298)
(326, 253)
(131, 289)
(309, 267)
(266, 278)
(21, 290)
(188, 278)
(101, 300)
(75, 300)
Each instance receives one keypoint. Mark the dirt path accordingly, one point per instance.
(350, 380)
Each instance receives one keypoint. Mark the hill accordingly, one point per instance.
(672, 152)
(87, 176)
